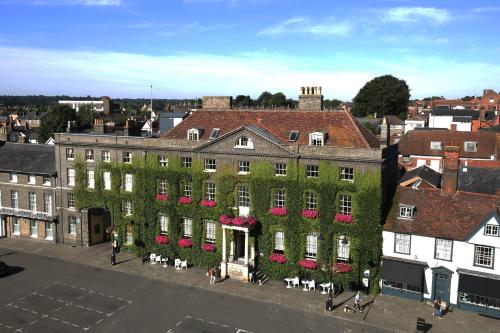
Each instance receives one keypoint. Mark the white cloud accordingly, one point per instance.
(491, 9)
(79, 2)
(416, 14)
(188, 75)
(303, 25)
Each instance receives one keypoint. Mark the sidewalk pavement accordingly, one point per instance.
(386, 312)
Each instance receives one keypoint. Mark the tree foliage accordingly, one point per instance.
(56, 121)
(384, 95)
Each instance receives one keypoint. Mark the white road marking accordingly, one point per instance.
(99, 321)
(34, 321)
(213, 323)
(179, 323)
(121, 308)
(75, 325)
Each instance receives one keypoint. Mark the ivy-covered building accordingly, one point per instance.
(283, 192)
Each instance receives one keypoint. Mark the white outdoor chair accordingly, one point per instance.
(312, 285)
(184, 264)
(164, 261)
(325, 287)
(296, 282)
(152, 258)
(158, 259)
(177, 263)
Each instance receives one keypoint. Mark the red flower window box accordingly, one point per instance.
(209, 247)
(185, 200)
(278, 211)
(162, 197)
(185, 242)
(344, 218)
(342, 267)
(277, 258)
(208, 203)
(308, 264)
(310, 214)
(240, 221)
(162, 240)
(226, 219)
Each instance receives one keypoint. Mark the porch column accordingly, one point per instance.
(223, 265)
(246, 248)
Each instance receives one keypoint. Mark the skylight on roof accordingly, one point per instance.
(214, 134)
(293, 136)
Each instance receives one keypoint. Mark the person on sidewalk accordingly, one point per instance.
(357, 302)
(437, 309)
(212, 276)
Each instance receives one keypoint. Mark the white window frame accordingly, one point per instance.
(311, 200)
(72, 225)
(311, 247)
(186, 162)
(347, 174)
(70, 154)
(129, 235)
(90, 179)
(210, 231)
(49, 235)
(443, 249)
(402, 243)
(243, 167)
(436, 145)
(127, 157)
(162, 186)
(406, 212)
(343, 248)
(316, 139)
(128, 182)
(14, 199)
(106, 176)
(187, 227)
(35, 229)
(243, 196)
(164, 223)
(47, 203)
(312, 170)
(13, 177)
(279, 241)
(484, 256)
(89, 155)
(492, 230)
(345, 204)
(188, 191)
(32, 201)
(105, 156)
(210, 165)
(280, 198)
(32, 179)
(128, 208)
(193, 134)
(163, 160)
(71, 201)
(280, 169)
(70, 173)
(16, 227)
(244, 142)
(467, 145)
(210, 191)
(47, 181)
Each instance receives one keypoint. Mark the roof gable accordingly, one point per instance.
(492, 218)
(423, 173)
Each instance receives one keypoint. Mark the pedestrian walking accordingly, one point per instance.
(212, 276)
(357, 302)
(437, 309)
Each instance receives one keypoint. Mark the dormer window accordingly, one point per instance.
(436, 145)
(470, 146)
(244, 142)
(406, 212)
(193, 134)
(491, 230)
(317, 139)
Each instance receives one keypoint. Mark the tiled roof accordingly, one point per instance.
(28, 158)
(452, 216)
(419, 142)
(341, 128)
(425, 173)
(393, 120)
(474, 114)
(479, 180)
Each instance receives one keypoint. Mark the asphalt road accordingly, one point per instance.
(49, 295)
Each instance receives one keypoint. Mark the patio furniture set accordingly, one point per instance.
(158, 259)
(308, 285)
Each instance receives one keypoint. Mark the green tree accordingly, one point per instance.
(331, 103)
(86, 115)
(264, 99)
(278, 99)
(384, 95)
(242, 100)
(56, 121)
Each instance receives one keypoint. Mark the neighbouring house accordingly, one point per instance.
(490, 100)
(276, 192)
(413, 122)
(105, 105)
(169, 120)
(463, 120)
(27, 192)
(441, 243)
(425, 147)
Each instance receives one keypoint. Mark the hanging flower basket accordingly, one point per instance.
(344, 218)
(278, 211)
(277, 258)
(342, 267)
(209, 247)
(308, 264)
(162, 197)
(226, 219)
(185, 242)
(310, 214)
(162, 240)
(208, 203)
(185, 200)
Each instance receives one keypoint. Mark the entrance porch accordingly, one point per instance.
(236, 264)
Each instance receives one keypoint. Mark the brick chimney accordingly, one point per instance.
(451, 153)
(385, 133)
(98, 126)
(482, 113)
(310, 99)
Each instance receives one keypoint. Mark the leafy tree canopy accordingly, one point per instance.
(331, 103)
(384, 95)
(242, 100)
(56, 121)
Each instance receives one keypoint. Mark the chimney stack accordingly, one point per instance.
(311, 99)
(385, 133)
(451, 156)
(482, 114)
(453, 127)
(98, 126)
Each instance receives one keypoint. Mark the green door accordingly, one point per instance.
(442, 283)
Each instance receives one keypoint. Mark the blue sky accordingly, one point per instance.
(191, 48)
